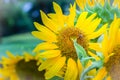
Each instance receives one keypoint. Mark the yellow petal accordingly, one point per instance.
(88, 20)
(48, 63)
(7, 61)
(91, 2)
(98, 33)
(116, 3)
(108, 57)
(71, 16)
(118, 37)
(95, 46)
(93, 55)
(75, 75)
(42, 28)
(50, 54)
(61, 73)
(101, 74)
(81, 19)
(81, 3)
(105, 44)
(53, 17)
(14, 77)
(72, 70)
(80, 67)
(1, 78)
(89, 63)
(49, 23)
(113, 31)
(59, 14)
(92, 26)
(44, 36)
(92, 72)
(102, 2)
(28, 57)
(55, 68)
(108, 78)
(10, 54)
(45, 46)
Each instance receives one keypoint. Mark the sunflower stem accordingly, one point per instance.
(94, 65)
(85, 60)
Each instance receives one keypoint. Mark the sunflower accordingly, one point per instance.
(110, 48)
(20, 68)
(101, 75)
(105, 9)
(82, 3)
(58, 33)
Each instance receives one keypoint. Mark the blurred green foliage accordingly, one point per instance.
(17, 44)
(17, 16)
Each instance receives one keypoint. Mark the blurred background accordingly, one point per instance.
(16, 23)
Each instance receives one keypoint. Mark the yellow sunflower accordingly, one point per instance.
(110, 47)
(20, 68)
(57, 47)
(116, 3)
(82, 3)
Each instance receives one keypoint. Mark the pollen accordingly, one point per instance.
(29, 71)
(113, 64)
(65, 42)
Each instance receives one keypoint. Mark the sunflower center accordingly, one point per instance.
(113, 64)
(65, 42)
(29, 71)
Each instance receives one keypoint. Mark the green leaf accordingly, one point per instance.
(81, 53)
(88, 58)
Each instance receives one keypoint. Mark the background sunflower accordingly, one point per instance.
(20, 67)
